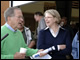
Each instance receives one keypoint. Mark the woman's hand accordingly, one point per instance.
(61, 47)
(41, 54)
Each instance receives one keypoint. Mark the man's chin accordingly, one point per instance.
(19, 26)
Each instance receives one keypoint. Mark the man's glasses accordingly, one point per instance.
(19, 17)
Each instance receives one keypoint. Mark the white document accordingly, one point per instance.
(44, 57)
(23, 50)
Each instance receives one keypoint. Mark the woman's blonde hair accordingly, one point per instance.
(55, 14)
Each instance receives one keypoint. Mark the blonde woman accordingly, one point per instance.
(54, 36)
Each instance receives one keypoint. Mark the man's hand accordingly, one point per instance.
(62, 47)
(18, 55)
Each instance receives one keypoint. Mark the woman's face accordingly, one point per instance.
(49, 19)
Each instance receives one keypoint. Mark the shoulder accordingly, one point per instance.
(44, 30)
(26, 28)
(3, 30)
(18, 31)
(64, 32)
(2, 27)
(76, 37)
(63, 29)
(42, 20)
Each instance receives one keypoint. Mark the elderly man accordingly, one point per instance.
(10, 46)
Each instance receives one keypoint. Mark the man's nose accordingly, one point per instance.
(22, 19)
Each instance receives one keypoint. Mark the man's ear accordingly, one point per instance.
(8, 18)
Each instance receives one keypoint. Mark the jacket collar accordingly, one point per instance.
(59, 27)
